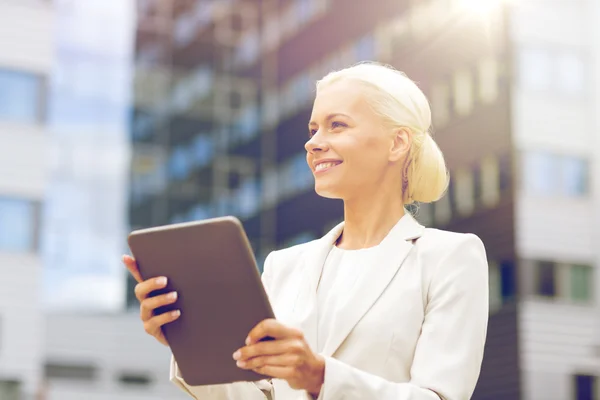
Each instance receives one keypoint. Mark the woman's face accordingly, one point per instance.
(349, 150)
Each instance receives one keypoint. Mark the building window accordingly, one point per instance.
(247, 52)
(495, 283)
(294, 176)
(463, 92)
(271, 109)
(20, 96)
(179, 163)
(551, 174)
(400, 32)
(201, 150)
(560, 71)
(508, 279)
(18, 225)
(535, 69)
(575, 175)
(440, 104)
(505, 172)
(149, 174)
(563, 281)
(288, 22)
(274, 31)
(442, 210)
(490, 181)
(488, 80)
(10, 390)
(546, 284)
(248, 197)
(78, 372)
(270, 192)
(585, 387)
(464, 195)
(477, 183)
(541, 173)
(503, 286)
(570, 73)
(135, 379)
(581, 283)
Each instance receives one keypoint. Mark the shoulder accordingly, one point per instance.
(288, 255)
(442, 241)
(444, 249)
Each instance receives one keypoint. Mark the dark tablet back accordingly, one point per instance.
(211, 266)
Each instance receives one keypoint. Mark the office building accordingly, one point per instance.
(89, 348)
(224, 92)
(104, 357)
(25, 63)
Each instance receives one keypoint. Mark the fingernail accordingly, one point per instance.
(240, 364)
(172, 295)
(176, 313)
(123, 258)
(247, 340)
(236, 355)
(161, 281)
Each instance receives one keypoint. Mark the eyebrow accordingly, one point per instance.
(330, 117)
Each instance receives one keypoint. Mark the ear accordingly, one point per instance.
(402, 140)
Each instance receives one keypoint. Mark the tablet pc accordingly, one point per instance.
(220, 294)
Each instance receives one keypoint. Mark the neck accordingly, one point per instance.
(369, 218)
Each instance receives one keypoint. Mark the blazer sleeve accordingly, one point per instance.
(262, 390)
(449, 351)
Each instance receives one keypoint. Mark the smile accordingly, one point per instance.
(322, 167)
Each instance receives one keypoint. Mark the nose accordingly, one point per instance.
(316, 144)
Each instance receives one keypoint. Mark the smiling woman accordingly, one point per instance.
(356, 113)
(380, 307)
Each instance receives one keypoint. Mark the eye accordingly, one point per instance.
(336, 124)
(311, 133)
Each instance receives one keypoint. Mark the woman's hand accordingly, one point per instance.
(287, 357)
(152, 323)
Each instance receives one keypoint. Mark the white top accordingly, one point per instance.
(342, 270)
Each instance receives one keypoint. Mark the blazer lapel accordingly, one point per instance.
(391, 253)
(305, 307)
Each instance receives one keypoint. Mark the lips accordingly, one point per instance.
(325, 165)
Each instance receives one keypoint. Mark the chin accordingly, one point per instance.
(327, 192)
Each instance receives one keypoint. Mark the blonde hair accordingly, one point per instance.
(400, 102)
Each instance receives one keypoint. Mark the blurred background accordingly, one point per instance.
(123, 114)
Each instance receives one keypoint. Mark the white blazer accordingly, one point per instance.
(414, 328)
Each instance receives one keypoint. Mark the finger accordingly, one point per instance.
(132, 267)
(268, 348)
(149, 304)
(276, 371)
(281, 360)
(273, 328)
(142, 289)
(153, 325)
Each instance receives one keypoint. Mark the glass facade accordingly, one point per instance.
(581, 283)
(18, 221)
(550, 174)
(21, 96)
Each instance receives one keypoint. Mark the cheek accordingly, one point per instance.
(371, 155)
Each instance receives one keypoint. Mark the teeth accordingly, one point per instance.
(325, 165)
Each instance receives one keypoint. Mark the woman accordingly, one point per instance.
(380, 307)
